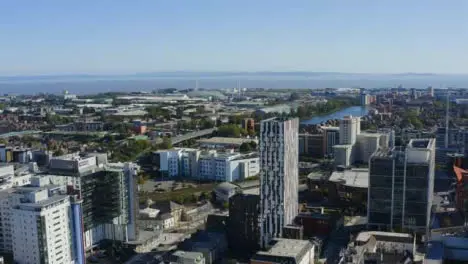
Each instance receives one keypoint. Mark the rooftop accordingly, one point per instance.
(317, 176)
(343, 146)
(389, 153)
(276, 108)
(367, 134)
(226, 186)
(44, 203)
(287, 248)
(421, 143)
(225, 140)
(384, 236)
(132, 113)
(187, 254)
(353, 178)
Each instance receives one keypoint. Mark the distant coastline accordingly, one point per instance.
(214, 74)
(91, 84)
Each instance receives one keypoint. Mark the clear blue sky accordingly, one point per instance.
(128, 36)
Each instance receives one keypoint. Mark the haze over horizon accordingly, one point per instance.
(107, 37)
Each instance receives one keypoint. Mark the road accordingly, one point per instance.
(182, 138)
(338, 240)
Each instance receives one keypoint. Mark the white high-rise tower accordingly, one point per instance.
(279, 150)
(350, 127)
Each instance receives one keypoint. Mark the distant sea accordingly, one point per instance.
(89, 84)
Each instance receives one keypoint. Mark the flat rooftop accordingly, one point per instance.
(367, 134)
(225, 140)
(353, 178)
(187, 254)
(287, 248)
(346, 146)
(384, 236)
(389, 152)
(44, 203)
(421, 143)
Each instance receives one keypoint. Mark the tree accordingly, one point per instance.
(166, 144)
(230, 130)
(248, 146)
(245, 147)
(156, 112)
(207, 123)
(253, 144)
(141, 179)
(59, 152)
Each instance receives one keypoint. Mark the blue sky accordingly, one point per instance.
(120, 36)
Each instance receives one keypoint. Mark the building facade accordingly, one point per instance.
(278, 176)
(107, 195)
(350, 127)
(366, 145)
(243, 223)
(386, 187)
(41, 227)
(312, 145)
(401, 184)
(207, 165)
(332, 138)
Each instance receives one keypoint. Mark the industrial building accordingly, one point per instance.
(279, 179)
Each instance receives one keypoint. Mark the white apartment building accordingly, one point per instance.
(227, 166)
(207, 165)
(7, 174)
(170, 161)
(40, 226)
(350, 127)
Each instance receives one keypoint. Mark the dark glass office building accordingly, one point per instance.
(401, 183)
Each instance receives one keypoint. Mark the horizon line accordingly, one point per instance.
(84, 74)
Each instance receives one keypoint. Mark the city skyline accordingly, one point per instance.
(321, 36)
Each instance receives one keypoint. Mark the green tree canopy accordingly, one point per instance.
(230, 130)
(166, 144)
